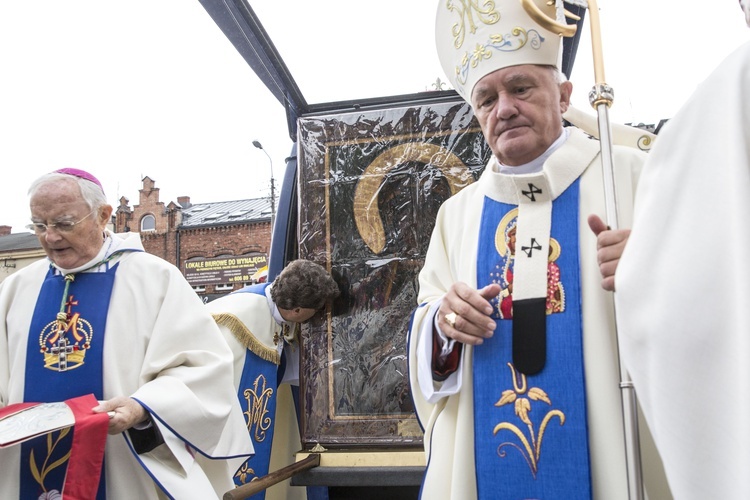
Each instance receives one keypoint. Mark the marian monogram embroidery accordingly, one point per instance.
(529, 446)
(259, 422)
(505, 244)
(256, 415)
(466, 10)
(64, 342)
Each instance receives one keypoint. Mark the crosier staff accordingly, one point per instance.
(601, 97)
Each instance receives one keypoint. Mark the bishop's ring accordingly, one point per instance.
(450, 318)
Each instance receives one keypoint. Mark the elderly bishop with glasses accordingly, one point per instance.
(119, 337)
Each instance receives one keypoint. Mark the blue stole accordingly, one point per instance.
(60, 367)
(257, 396)
(530, 432)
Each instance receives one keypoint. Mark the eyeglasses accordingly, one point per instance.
(63, 226)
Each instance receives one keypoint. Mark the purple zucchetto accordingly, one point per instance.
(80, 173)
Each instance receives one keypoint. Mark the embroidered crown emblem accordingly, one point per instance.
(64, 342)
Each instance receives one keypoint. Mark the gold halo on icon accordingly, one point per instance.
(366, 212)
(500, 245)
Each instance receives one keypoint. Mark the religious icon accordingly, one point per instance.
(505, 244)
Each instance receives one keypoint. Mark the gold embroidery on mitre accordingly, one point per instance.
(530, 447)
(486, 15)
(256, 415)
(517, 39)
(64, 342)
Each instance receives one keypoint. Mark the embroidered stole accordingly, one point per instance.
(531, 439)
(257, 396)
(62, 366)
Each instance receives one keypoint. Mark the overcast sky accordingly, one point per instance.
(153, 87)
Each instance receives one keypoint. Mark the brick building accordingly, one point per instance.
(218, 246)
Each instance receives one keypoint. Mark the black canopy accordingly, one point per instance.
(242, 27)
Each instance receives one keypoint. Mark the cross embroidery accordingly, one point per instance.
(62, 349)
(533, 190)
(533, 246)
(70, 303)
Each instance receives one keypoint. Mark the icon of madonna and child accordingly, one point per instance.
(505, 243)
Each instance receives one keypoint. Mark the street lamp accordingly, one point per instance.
(258, 145)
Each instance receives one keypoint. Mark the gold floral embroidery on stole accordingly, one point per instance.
(530, 446)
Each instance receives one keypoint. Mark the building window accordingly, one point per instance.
(199, 288)
(148, 223)
(224, 287)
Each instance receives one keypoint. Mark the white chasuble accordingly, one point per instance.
(160, 347)
(448, 420)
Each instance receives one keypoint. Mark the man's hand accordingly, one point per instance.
(609, 247)
(473, 323)
(126, 412)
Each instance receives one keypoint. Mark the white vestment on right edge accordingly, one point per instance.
(683, 289)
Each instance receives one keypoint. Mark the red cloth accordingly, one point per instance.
(87, 451)
(441, 369)
(15, 408)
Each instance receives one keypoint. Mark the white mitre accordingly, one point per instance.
(475, 38)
